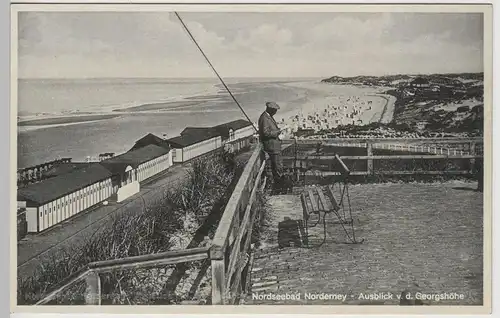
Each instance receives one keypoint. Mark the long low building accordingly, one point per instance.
(56, 199)
(196, 141)
(135, 166)
(77, 187)
(192, 144)
(236, 134)
(71, 188)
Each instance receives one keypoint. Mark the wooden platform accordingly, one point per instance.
(428, 235)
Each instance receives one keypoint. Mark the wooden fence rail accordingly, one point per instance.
(91, 272)
(446, 140)
(303, 164)
(229, 251)
(302, 158)
(382, 157)
(455, 145)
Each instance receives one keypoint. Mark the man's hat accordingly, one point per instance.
(272, 105)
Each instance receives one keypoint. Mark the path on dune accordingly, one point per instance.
(388, 112)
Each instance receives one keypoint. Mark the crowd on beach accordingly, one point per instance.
(335, 111)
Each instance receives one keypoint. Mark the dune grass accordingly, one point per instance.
(169, 223)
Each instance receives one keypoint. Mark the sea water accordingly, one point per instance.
(212, 105)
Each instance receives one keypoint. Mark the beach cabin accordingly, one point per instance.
(194, 142)
(237, 134)
(150, 139)
(56, 199)
(135, 166)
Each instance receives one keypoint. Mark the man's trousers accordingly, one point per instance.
(276, 163)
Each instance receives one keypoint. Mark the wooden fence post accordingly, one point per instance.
(472, 150)
(296, 161)
(369, 162)
(217, 257)
(93, 290)
(298, 166)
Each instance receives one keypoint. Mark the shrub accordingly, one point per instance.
(135, 233)
(262, 217)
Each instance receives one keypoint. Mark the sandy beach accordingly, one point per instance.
(158, 106)
(80, 131)
(53, 121)
(338, 105)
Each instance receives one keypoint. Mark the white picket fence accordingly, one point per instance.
(407, 147)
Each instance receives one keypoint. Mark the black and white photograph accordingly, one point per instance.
(231, 155)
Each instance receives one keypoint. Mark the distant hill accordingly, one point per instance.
(363, 78)
(387, 79)
(431, 103)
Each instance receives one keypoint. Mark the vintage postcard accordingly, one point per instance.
(234, 158)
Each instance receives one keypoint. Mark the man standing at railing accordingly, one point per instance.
(270, 136)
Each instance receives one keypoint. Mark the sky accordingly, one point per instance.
(154, 44)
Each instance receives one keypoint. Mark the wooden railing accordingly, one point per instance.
(418, 149)
(229, 251)
(91, 272)
(430, 145)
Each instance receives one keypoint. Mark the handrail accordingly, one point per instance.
(243, 225)
(381, 157)
(91, 271)
(221, 236)
(391, 139)
(65, 284)
(389, 173)
(236, 221)
(472, 154)
(166, 258)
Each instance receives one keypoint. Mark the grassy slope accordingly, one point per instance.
(179, 214)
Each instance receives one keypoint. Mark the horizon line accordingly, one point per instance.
(240, 77)
(163, 77)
